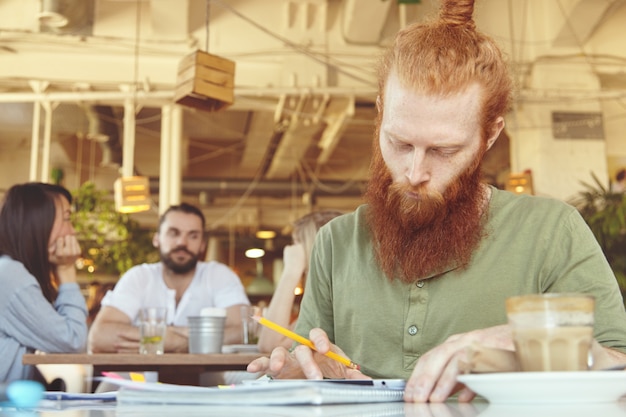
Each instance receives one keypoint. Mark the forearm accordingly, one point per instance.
(281, 305)
(63, 255)
(278, 311)
(233, 328)
(60, 327)
(110, 337)
(176, 339)
(604, 357)
(233, 333)
(66, 274)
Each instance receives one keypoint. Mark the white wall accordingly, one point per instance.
(558, 165)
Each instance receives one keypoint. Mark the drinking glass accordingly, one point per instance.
(552, 332)
(152, 327)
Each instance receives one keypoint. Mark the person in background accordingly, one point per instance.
(296, 259)
(41, 305)
(408, 282)
(619, 186)
(181, 282)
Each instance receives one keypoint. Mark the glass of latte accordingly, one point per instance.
(552, 331)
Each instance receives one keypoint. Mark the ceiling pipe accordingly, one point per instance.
(67, 16)
(117, 96)
(38, 86)
(128, 142)
(47, 138)
(264, 188)
(164, 189)
(105, 131)
(34, 153)
(363, 21)
(52, 14)
(168, 95)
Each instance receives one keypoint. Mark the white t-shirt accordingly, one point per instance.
(213, 285)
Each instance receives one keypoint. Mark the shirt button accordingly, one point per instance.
(413, 330)
(420, 284)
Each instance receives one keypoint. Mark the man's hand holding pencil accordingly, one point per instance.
(314, 358)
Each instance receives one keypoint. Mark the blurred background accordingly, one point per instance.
(89, 91)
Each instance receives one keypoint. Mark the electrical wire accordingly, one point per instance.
(207, 18)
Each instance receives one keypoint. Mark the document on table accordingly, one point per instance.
(79, 396)
(285, 392)
(58, 400)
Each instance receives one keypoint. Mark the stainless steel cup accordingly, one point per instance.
(206, 333)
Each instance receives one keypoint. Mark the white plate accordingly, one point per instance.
(607, 409)
(548, 387)
(240, 349)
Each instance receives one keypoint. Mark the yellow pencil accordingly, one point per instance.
(296, 337)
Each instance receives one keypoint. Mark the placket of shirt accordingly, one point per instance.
(417, 306)
(181, 312)
(171, 305)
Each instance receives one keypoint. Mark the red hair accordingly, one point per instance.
(447, 55)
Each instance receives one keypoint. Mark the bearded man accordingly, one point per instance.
(181, 282)
(405, 284)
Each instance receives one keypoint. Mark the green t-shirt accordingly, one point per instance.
(533, 245)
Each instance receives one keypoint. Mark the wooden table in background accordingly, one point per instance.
(174, 368)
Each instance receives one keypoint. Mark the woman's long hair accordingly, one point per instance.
(26, 221)
(306, 227)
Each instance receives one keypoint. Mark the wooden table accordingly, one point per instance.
(174, 368)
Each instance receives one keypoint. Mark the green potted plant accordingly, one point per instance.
(605, 213)
(112, 242)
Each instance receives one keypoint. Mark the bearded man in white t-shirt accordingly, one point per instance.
(180, 282)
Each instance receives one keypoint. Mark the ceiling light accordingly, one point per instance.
(255, 253)
(265, 234)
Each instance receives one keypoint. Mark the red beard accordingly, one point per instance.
(420, 238)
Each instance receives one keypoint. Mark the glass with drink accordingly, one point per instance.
(552, 332)
(250, 327)
(152, 327)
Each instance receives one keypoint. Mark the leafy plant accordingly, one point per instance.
(605, 213)
(111, 241)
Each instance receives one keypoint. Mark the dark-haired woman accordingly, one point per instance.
(41, 305)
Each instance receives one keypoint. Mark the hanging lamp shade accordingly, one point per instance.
(205, 81)
(260, 285)
(520, 183)
(132, 194)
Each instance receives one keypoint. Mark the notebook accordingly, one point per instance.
(285, 392)
(394, 409)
